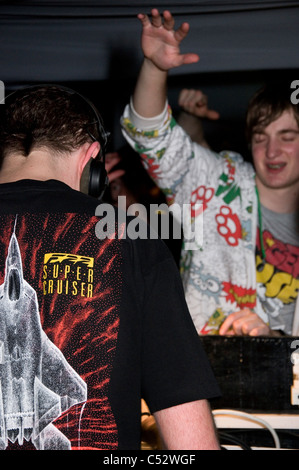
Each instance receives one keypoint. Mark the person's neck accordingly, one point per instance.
(37, 166)
(280, 200)
(10, 175)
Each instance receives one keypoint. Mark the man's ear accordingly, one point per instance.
(91, 152)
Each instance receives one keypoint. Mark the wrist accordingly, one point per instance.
(147, 123)
(153, 69)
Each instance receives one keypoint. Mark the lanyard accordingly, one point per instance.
(260, 225)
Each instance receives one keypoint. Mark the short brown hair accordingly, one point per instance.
(46, 116)
(267, 105)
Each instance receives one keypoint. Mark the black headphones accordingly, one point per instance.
(98, 178)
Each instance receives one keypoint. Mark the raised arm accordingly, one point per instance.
(161, 48)
(167, 152)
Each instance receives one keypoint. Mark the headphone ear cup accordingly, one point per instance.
(98, 178)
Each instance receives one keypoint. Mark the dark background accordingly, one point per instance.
(94, 47)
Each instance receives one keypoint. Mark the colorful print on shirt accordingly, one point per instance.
(58, 332)
(277, 276)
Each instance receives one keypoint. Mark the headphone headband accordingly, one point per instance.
(98, 179)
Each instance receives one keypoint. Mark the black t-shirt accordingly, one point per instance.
(88, 327)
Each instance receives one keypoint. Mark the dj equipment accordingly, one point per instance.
(98, 178)
(255, 374)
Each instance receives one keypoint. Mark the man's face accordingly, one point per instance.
(275, 151)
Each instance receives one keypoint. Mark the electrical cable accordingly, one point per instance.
(248, 416)
(233, 440)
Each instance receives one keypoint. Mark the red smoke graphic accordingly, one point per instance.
(84, 329)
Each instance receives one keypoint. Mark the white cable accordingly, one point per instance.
(242, 414)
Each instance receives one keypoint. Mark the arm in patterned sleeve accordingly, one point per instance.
(148, 125)
(175, 163)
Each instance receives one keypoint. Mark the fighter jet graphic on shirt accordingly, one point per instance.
(36, 382)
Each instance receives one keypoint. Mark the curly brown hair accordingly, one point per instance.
(46, 116)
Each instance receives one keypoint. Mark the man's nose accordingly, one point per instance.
(273, 148)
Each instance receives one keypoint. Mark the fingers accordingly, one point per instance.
(181, 32)
(244, 322)
(192, 97)
(196, 102)
(113, 175)
(156, 18)
(213, 115)
(111, 160)
(144, 19)
(226, 327)
(167, 22)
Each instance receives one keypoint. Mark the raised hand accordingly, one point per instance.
(111, 160)
(195, 102)
(161, 42)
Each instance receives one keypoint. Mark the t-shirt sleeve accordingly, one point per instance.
(175, 367)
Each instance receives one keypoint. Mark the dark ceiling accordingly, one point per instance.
(94, 45)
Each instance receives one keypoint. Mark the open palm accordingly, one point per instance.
(161, 43)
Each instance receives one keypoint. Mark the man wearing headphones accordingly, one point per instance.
(88, 326)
